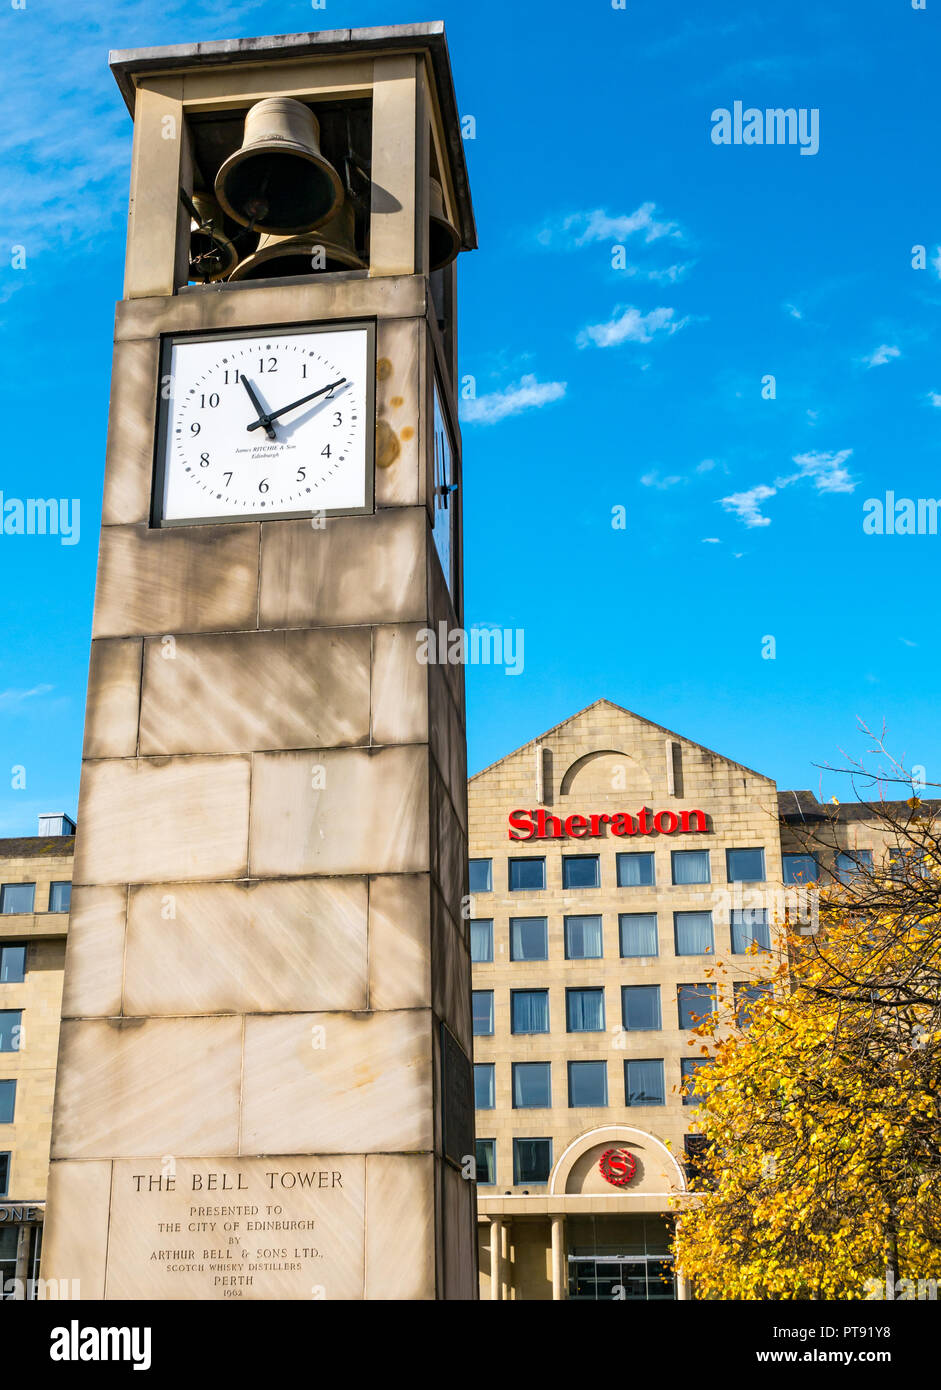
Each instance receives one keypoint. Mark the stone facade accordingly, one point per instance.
(602, 761)
(30, 1061)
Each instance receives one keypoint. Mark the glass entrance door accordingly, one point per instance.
(617, 1279)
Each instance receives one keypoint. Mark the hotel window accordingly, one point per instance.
(692, 933)
(532, 1086)
(583, 940)
(695, 1003)
(584, 1010)
(486, 1162)
(640, 1008)
(527, 875)
(698, 1175)
(481, 875)
(532, 1160)
(481, 942)
(800, 868)
(17, 897)
(11, 1024)
(7, 1101)
(60, 897)
(750, 928)
(12, 965)
(636, 871)
(747, 994)
(691, 866)
(689, 1066)
(588, 1084)
(529, 1010)
(643, 1082)
(638, 934)
(483, 1085)
(581, 871)
(529, 938)
(483, 1012)
(4, 1191)
(853, 863)
(745, 865)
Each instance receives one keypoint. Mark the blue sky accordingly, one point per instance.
(603, 381)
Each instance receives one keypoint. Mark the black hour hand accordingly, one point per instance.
(264, 421)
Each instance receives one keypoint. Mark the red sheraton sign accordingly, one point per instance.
(618, 1166)
(542, 825)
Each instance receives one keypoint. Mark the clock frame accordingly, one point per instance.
(164, 419)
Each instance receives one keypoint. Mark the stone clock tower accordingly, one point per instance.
(264, 1087)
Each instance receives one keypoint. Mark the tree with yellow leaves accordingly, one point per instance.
(819, 1119)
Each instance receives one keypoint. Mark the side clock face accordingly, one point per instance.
(275, 424)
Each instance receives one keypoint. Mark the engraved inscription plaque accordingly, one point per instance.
(237, 1228)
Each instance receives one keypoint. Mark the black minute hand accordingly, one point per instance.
(273, 414)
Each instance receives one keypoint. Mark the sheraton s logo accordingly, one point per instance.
(617, 1166)
(540, 825)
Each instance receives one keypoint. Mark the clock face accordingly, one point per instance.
(268, 425)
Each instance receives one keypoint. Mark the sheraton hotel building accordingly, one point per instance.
(612, 862)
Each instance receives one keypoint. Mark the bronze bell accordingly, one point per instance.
(331, 247)
(444, 238)
(212, 253)
(279, 182)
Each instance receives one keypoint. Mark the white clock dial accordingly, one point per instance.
(276, 424)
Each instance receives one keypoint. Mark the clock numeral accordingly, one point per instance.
(337, 419)
(204, 460)
(213, 400)
(263, 485)
(195, 427)
(228, 478)
(325, 453)
(233, 377)
(301, 475)
(272, 364)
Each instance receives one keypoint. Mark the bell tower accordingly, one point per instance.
(264, 1087)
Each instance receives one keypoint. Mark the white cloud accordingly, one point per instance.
(825, 471)
(747, 505)
(526, 394)
(711, 540)
(706, 466)
(631, 326)
(653, 479)
(793, 310)
(600, 226)
(882, 355)
(935, 399)
(10, 699)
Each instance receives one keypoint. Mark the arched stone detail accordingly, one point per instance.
(607, 772)
(658, 1169)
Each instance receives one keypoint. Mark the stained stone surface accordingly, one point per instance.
(147, 820)
(261, 948)
(337, 1082)
(349, 811)
(147, 1086)
(245, 691)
